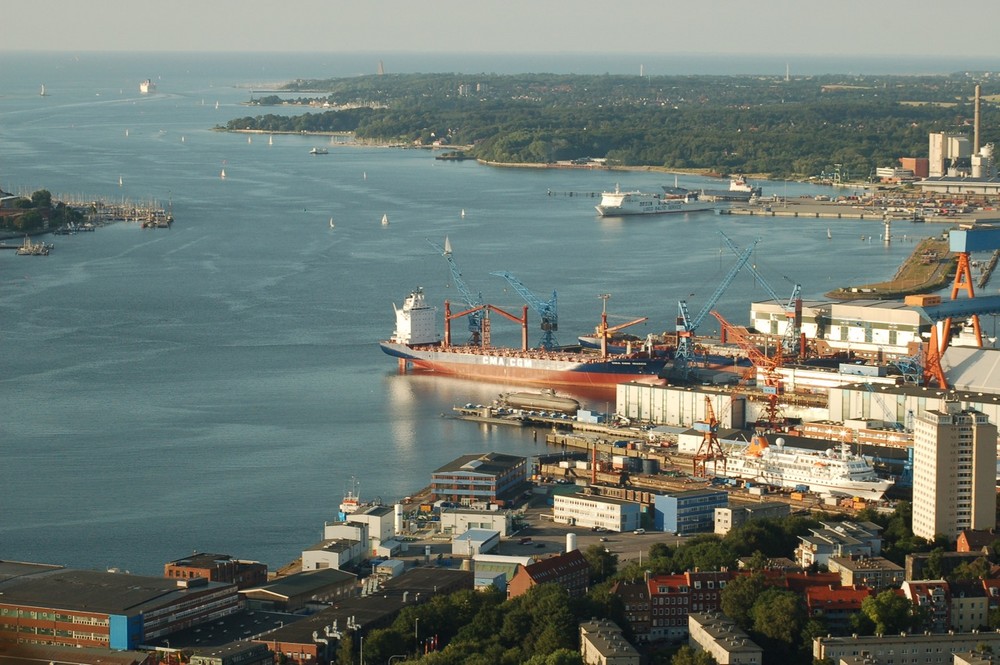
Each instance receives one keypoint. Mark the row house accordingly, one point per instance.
(835, 605)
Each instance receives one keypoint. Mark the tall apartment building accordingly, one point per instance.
(954, 472)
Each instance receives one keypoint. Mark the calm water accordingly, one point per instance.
(216, 386)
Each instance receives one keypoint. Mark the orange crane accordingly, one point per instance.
(710, 449)
(764, 367)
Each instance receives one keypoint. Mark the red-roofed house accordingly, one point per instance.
(570, 569)
(975, 540)
(834, 605)
(799, 582)
(935, 597)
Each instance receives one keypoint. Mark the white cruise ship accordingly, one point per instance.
(619, 203)
(147, 87)
(829, 473)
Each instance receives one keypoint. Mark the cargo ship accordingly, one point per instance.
(829, 473)
(416, 343)
(619, 203)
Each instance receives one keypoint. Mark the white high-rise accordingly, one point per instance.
(954, 472)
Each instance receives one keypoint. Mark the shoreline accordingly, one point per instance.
(915, 275)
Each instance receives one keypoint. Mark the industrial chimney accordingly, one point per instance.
(975, 123)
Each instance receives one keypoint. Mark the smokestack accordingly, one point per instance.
(975, 123)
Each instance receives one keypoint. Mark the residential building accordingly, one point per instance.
(108, 610)
(595, 511)
(874, 572)
(217, 568)
(569, 569)
(723, 639)
(482, 478)
(634, 595)
(838, 539)
(688, 512)
(835, 606)
(730, 517)
(969, 606)
(980, 541)
(673, 597)
(293, 593)
(934, 597)
(954, 472)
(602, 643)
(918, 566)
(895, 649)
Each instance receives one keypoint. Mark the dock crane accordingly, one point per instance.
(710, 449)
(604, 332)
(792, 342)
(546, 310)
(686, 325)
(475, 302)
(764, 367)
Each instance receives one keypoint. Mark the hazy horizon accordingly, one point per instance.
(772, 28)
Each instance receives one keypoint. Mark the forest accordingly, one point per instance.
(796, 127)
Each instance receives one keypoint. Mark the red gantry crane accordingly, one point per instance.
(764, 367)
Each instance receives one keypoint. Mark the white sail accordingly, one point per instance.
(385, 220)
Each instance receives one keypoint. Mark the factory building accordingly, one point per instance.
(42, 605)
(688, 512)
(954, 472)
(217, 568)
(595, 511)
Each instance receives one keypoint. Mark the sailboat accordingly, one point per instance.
(126, 132)
(385, 220)
(364, 175)
(828, 234)
(216, 106)
(270, 140)
(463, 213)
(223, 174)
(249, 139)
(332, 225)
(42, 93)
(119, 181)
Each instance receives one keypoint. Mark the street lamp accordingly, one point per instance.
(416, 635)
(361, 657)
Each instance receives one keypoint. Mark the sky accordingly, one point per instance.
(751, 27)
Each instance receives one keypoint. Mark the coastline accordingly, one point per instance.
(917, 274)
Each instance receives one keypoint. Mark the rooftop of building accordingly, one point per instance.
(236, 627)
(33, 654)
(481, 535)
(557, 565)
(861, 563)
(99, 592)
(206, 560)
(337, 545)
(724, 631)
(13, 569)
(836, 597)
(374, 510)
(302, 583)
(607, 638)
(482, 463)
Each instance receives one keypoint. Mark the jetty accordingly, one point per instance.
(928, 268)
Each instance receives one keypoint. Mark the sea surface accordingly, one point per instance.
(218, 386)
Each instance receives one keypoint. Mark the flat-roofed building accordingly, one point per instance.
(731, 517)
(915, 648)
(217, 568)
(460, 520)
(35, 654)
(688, 512)
(720, 637)
(602, 643)
(875, 572)
(838, 539)
(292, 593)
(108, 610)
(588, 510)
(475, 541)
(954, 472)
(480, 478)
(234, 653)
(333, 553)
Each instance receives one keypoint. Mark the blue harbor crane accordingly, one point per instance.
(546, 310)
(472, 300)
(686, 325)
(791, 343)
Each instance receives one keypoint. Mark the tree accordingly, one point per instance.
(42, 198)
(688, 656)
(603, 564)
(890, 613)
(739, 596)
(779, 615)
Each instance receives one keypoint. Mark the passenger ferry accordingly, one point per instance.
(619, 203)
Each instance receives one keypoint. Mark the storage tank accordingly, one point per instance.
(398, 517)
(570, 542)
(650, 466)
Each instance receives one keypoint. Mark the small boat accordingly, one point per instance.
(332, 225)
(42, 93)
(319, 151)
(147, 87)
(126, 132)
(249, 139)
(828, 234)
(463, 213)
(385, 220)
(364, 175)
(216, 106)
(119, 181)
(270, 140)
(223, 174)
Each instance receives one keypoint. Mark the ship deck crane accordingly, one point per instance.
(686, 325)
(792, 342)
(475, 313)
(546, 310)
